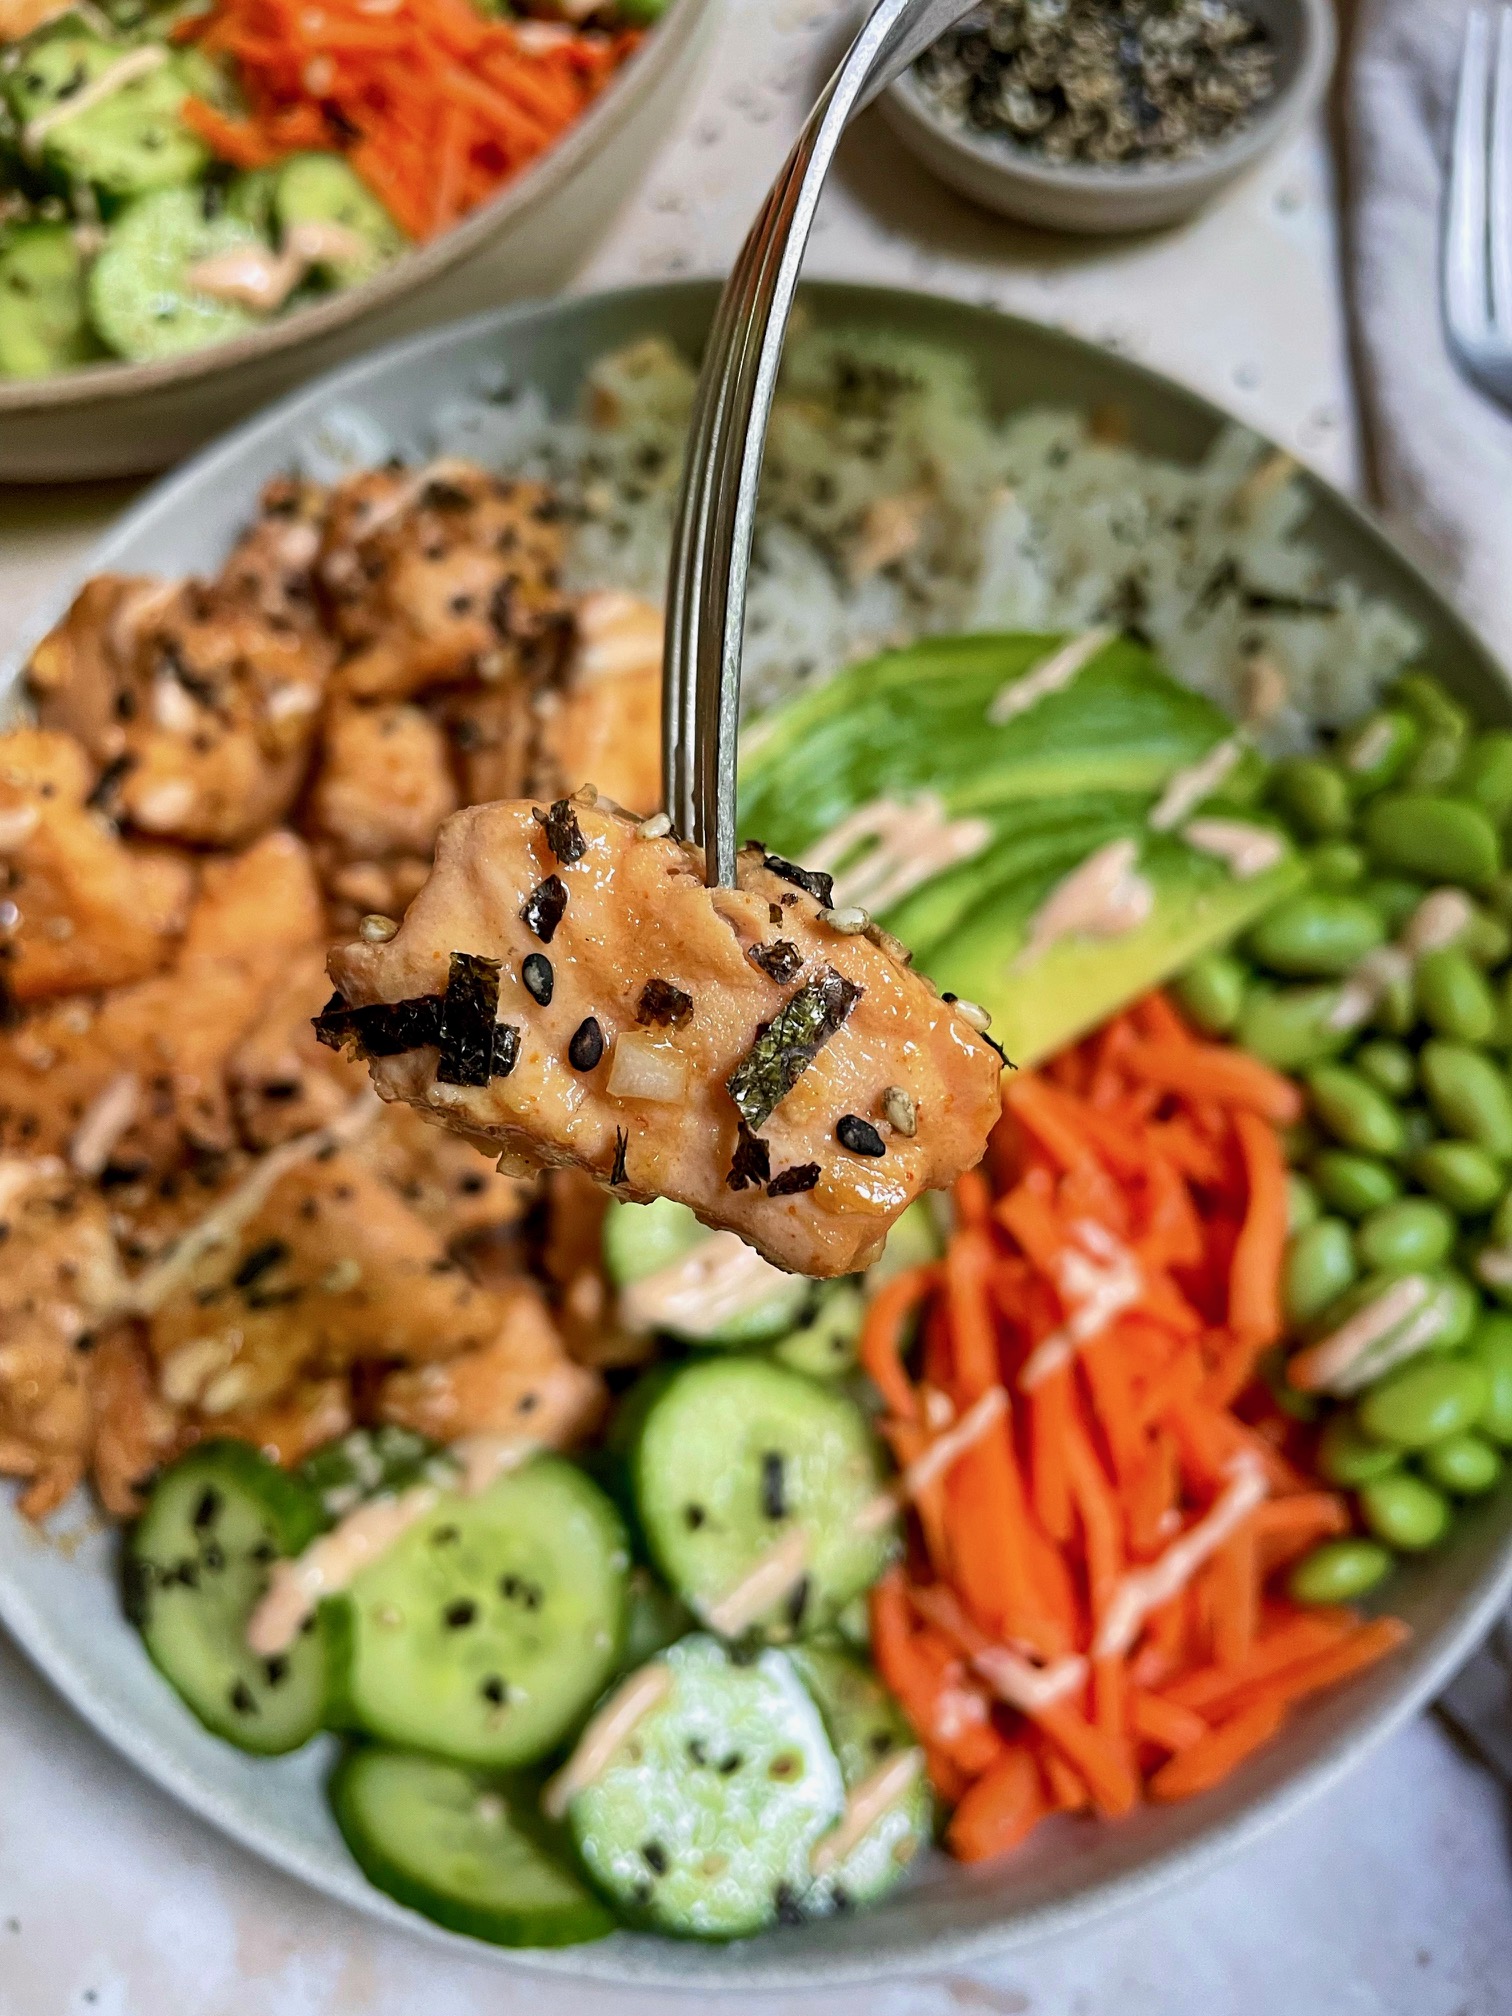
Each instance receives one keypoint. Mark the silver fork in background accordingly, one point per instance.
(716, 512)
(1477, 254)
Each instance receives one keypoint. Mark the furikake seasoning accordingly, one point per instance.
(544, 908)
(564, 836)
(661, 1003)
(1102, 82)
(787, 1045)
(751, 1164)
(461, 1023)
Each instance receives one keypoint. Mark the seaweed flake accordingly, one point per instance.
(469, 1020)
(383, 1028)
(793, 1182)
(812, 881)
(271, 1253)
(564, 836)
(787, 1045)
(109, 782)
(752, 1163)
(662, 1003)
(780, 961)
(621, 1149)
(544, 908)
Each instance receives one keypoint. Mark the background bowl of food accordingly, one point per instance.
(1019, 609)
(202, 207)
(1086, 119)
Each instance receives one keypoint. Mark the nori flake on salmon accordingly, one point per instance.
(544, 908)
(752, 1162)
(564, 836)
(621, 1149)
(469, 1021)
(384, 1028)
(662, 1003)
(786, 1046)
(780, 961)
(812, 881)
(793, 1182)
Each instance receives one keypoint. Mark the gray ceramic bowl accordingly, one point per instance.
(61, 1602)
(125, 419)
(1008, 178)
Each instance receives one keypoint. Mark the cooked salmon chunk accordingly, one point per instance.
(567, 989)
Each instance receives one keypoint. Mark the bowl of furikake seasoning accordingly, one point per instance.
(1110, 115)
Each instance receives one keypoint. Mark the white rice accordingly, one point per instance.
(1033, 522)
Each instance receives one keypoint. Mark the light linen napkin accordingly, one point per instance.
(1442, 451)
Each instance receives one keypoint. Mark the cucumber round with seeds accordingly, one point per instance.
(825, 1346)
(732, 1455)
(55, 66)
(486, 1632)
(322, 189)
(450, 1844)
(140, 297)
(371, 1462)
(131, 142)
(196, 1564)
(640, 1240)
(43, 326)
(703, 1822)
(866, 1727)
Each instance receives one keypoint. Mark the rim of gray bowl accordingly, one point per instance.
(104, 384)
(1277, 121)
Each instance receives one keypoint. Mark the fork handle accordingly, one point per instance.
(711, 550)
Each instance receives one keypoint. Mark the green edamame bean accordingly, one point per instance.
(1319, 1266)
(1418, 1129)
(1211, 992)
(1466, 1465)
(1459, 1307)
(1302, 1205)
(1485, 774)
(1354, 1184)
(1394, 898)
(1352, 1110)
(1498, 895)
(1337, 864)
(1338, 1571)
(1426, 1402)
(1469, 1095)
(1389, 1066)
(1376, 752)
(1349, 1458)
(1316, 935)
(1485, 939)
(1404, 1237)
(1430, 703)
(1438, 759)
(1313, 796)
(1460, 1175)
(1288, 1026)
(1454, 996)
(1404, 1511)
(1491, 1347)
(1441, 839)
(1395, 1011)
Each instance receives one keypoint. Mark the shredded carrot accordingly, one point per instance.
(1088, 1621)
(434, 105)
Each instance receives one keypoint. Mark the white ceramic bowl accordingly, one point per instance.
(995, 171)
(126, 419)
(62, 1602)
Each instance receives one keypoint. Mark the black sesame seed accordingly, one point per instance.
(697, 1751)
(793, 1182)
(789, 1910)
(773, 1485)
(693, 1517)
(654, 1856)
(881, 1742)
(277, 1669)
(540, 981)
(797, 1603)
(728, 1766)
(242, 1699)
(208, 1510)
(457, 1616)
(858, 1136)
(587, 1046)
(494, 1690)
(444, 1536)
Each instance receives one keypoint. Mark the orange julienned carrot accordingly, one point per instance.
(1208, 1761)
(995, 1813)
(1255, 1274)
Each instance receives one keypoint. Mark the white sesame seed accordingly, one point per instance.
(657, 827)
(976, 1017)
(850, 922)
(376, 930)
(900, 1110)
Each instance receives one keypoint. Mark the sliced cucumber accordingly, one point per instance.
(449, 1844)
(369, 1462)
(43, 326)
(55, 66)
(249, 198)
(131, 142)
(322, 189)
(196, 1564)
(825, 1346)
(139, 293)
(703, 1823)
(488, 1630)
(644, 1239)
(654, 1619)
(865, 1728)
(731, 1455)
(913, 1241)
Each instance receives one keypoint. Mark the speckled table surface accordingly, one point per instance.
(1393, 1894)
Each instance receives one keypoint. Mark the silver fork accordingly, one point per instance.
(1478, 225)
(716, 512)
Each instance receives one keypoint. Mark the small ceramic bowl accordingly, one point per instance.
(1138, 196)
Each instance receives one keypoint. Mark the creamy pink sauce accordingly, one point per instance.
(1104, 897)
(1334, 1364)
(1186, 790)
(1098, 1283)
(608, 1730)
(1145, 1589)
(875, 1797)
(778, 1570)
(913, 843)
(1051, 675)
(711, 1283)
(135, 63)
